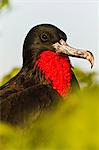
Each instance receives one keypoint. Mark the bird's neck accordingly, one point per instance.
(56, 70)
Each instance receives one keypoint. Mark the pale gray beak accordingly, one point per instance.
(63, 47)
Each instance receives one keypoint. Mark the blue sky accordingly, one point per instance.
(78, 19)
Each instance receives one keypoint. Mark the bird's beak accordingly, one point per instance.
(63, 47)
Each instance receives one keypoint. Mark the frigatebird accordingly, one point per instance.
(45, 77)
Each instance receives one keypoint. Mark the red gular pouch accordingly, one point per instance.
(56, 69)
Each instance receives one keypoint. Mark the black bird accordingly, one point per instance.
(45, 77)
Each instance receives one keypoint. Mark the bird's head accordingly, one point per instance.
(48, 37)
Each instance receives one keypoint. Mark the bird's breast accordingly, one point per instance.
(56, 70)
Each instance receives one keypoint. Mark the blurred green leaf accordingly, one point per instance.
(4, 3)
(10, 75)
(86, 79)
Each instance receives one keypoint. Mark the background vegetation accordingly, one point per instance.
(4, 3)
(72, 126)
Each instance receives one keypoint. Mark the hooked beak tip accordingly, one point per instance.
(90, 58)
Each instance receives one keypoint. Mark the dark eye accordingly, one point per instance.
(44, 37)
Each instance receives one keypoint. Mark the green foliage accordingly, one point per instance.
(4, 3)
(74, 125)
(9, 75)
(86, 79)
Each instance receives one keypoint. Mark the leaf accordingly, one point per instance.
(4, 3)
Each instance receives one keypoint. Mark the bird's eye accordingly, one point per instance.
(44, 37)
